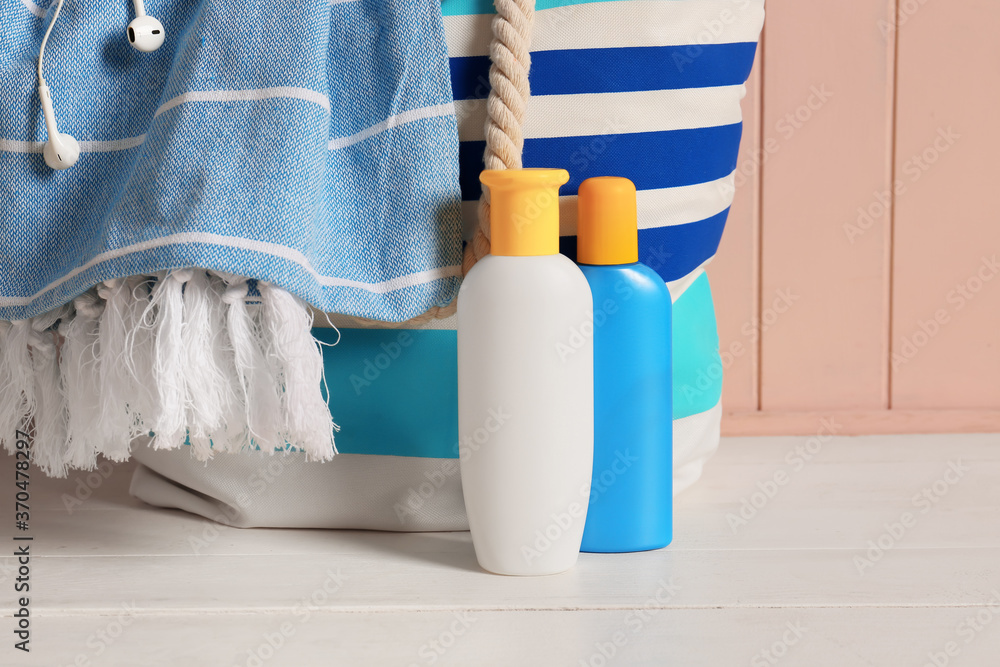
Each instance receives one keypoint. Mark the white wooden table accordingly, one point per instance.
(842, 562)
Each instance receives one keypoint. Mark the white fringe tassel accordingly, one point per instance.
(51, 419)
(114, 386)
(181, 356)
(144, 405)
(207, 388)
(298, 363)
(10, 393)
(170, 426)
(17, 396)
(259, 391)
(80, 385)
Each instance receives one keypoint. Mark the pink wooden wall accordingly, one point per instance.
(865, 199)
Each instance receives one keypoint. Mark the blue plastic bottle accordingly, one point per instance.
(631, 496)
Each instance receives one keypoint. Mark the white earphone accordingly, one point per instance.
(61, 150)
(144, 32)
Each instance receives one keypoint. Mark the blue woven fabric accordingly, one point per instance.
(310, 144)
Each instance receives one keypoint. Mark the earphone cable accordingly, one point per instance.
(45, 39)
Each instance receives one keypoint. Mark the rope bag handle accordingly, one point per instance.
(510, 61)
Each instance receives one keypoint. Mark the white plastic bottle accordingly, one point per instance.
(526, 384)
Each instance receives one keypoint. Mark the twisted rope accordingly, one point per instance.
(510, 56)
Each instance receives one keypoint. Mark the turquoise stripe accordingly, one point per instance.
(697, 365)
(465, 7)
(393, 392)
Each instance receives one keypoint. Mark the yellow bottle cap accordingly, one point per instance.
(524, 210)
(607, 222)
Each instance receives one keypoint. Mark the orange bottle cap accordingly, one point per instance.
(607, 222)
(524, 210)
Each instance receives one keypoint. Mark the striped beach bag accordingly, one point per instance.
(646, 89)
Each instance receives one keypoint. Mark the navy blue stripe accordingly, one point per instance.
(677, 250)
(651, 160)
(470, 77)
(626, 69)
(673, 251)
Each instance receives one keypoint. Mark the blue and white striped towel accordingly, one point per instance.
(310, 144)
(268, 155)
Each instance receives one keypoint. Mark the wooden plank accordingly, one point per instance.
(448, 577)
(946, 315)
(862, 422)
(827, 110)
(818, 637)
(734, 272)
